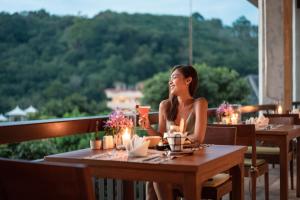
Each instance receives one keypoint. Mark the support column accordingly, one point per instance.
(296, 50)
(275, 52)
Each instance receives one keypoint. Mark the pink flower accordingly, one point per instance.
(117, 121)
(225, 109)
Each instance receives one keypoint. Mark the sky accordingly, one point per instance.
(226, 10)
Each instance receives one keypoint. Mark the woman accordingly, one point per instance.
(180, 105)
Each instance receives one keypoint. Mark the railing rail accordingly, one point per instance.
(13, 132)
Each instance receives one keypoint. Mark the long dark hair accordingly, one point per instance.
(186, 71)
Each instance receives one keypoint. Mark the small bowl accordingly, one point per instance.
(154, 140)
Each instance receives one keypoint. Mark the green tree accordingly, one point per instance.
(216, 84)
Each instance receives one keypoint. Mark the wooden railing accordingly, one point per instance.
(13, 132)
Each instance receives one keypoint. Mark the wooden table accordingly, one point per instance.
(281, 137)
(188, 171)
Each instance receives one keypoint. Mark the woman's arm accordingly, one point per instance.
(200, 107)
(161, 121)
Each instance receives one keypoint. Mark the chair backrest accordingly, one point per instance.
(281, 120)
(245, 135)
(35, 181)
(286, 119)
(220, 135)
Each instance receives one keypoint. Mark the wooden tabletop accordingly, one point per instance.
(190, 171)
(192, 162)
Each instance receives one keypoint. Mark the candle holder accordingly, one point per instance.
(279, 108)
(126, 138)
(236, 115)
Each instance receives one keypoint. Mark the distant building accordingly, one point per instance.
(253, 82)
(17, 114)
(2, 118)
(122, 98)
(30, 110)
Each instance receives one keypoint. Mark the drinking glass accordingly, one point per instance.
(143, 111)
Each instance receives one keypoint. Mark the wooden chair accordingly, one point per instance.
(220, 135)
(47, 181)
(271, 153)
(253, 167)
(220, 184)
(281, 120)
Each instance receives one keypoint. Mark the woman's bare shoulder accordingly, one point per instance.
(201, 102)
(164, 103)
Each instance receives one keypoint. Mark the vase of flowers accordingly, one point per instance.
(96, 142)
(224, 112)
(116, 124)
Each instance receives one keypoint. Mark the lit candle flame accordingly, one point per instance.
(234, 118)
(126, 138)
(279, 109)
(126, 134)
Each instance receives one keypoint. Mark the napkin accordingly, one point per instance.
(260, 122)
(295, 111)
(137, 147)
(174, 128)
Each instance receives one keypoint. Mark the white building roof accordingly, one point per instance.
(111, 93)
(30, 109)
(16, 112)
(2, 118)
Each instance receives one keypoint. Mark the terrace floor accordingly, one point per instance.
(274, 186)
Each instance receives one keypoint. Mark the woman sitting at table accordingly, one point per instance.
(180, 105)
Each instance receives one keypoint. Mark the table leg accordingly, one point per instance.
(237, 174)
(128, 190)
(192, 187)
(298, 168)
(284, 169)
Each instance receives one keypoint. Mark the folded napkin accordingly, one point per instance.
(260, 122)
(295, 111)
(137, 147)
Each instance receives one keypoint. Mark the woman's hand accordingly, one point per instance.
(144, 122)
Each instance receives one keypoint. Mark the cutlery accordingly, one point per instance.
(151, 158)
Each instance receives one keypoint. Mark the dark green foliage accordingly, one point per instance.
(216, 84)
(57, 63)
(28, 150)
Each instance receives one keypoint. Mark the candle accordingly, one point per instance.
(108, 142)
(279, 110)
(126, 138)
(234, 118)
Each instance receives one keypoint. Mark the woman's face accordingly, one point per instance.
(178, 83)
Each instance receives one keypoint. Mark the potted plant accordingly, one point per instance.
(96, 142)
